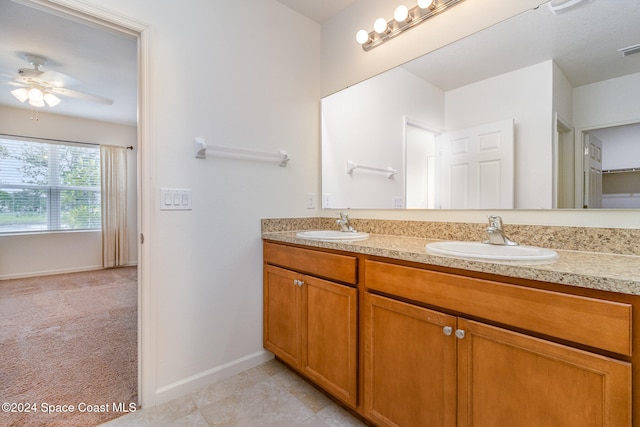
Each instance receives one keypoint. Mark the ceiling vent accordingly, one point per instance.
(559, 6)
(630, 50)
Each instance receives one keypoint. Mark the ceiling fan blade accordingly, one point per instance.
(7, 76)
(12, 83)
(57, 79)
(81, 95)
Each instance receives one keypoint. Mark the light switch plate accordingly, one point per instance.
(311, 200)
(175, 199)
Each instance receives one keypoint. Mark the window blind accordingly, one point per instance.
(48, 185)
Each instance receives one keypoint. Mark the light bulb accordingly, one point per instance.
(35, 95)
(401, 13)
(380, 26)
(362, 36)
(424, 4)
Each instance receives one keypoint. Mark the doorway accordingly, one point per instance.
(617, 149)
(78, 11)
(420, 160)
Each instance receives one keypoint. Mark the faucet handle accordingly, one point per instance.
(495, 221)
(344, 223)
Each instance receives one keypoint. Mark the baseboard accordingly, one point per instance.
(50, 272)
(59, 271)
(211, 376)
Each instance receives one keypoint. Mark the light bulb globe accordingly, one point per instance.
(362, 36)
(401, 13)
(424, 4)
(21, 94)
(35, 95)
(51, 99)
(37, 102)
(380, 25)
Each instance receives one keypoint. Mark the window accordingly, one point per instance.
(48, 185)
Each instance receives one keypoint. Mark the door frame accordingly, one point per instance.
(579, 155)
(80, 11)
(563, 135)
(406, 122)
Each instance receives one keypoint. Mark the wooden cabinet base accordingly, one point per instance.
(509, 379)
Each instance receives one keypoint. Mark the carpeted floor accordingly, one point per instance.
(68, 339)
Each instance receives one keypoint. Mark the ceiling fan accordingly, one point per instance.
(41, 87)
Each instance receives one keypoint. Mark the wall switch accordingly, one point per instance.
(175, 199)
(398, 202)
(326, 200)
(311, 200)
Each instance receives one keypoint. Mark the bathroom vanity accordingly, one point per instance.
(405, 338)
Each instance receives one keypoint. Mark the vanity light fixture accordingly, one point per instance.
(403, 19)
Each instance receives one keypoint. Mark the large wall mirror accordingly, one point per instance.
(541, 111)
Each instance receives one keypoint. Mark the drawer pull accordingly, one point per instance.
(459, 333)
(447, 330)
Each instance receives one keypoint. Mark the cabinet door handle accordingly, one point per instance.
(459, 333)
(298, 282)
(447, 330)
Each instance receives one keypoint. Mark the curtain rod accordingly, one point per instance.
(55, 140)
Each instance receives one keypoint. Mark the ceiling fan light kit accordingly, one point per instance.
(36, 97)
(39, 88)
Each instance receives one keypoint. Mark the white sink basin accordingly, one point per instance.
(332, 235)
(491, 252)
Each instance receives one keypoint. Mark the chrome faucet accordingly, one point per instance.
(496, 233)
(344, 223)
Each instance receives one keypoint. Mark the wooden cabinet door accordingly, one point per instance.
(282, 314)
(409, 366)
(509, 379)
(329, 343)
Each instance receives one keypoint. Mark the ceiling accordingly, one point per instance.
(317, 10)
(582, 41)
(100, 62)
(105, 64)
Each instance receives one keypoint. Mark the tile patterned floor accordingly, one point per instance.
(269, 395)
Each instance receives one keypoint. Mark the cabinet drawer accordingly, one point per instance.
(342, 268)
(589, 321)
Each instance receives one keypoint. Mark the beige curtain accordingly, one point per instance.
(115, 248)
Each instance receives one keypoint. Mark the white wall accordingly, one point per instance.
(609, 103)
(344, 63)
(562, 96)
(366, 125)
(51, 253)
(239, 74)
(525, 96)
(621, 146)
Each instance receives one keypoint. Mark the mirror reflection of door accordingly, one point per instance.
(592, 172)
(478, 167)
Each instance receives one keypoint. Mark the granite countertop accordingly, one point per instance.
(602, 271)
